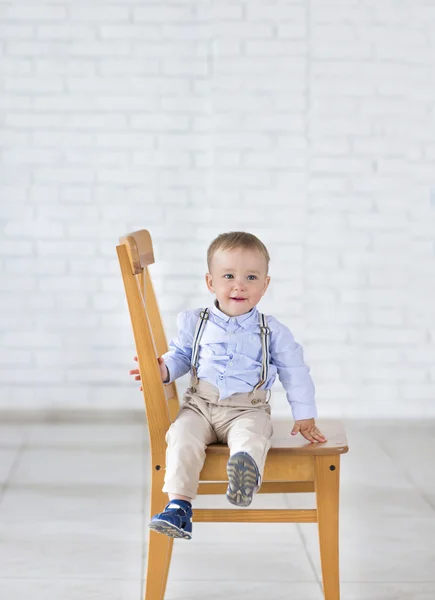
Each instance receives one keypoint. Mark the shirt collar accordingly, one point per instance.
(244, 320)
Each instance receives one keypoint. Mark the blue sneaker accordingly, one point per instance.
(243, 477)
(175, 521)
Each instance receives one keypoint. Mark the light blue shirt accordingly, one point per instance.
(230, 354)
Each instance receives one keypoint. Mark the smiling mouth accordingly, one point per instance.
(238, 299)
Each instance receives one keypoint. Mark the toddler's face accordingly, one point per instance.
(239, 279)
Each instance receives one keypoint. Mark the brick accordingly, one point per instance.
(30, 339)
(162, 14)
(132, 31)
(15, 358)
(37, 266)
(99, 13)
(30, 12)
(275, 48)
(14, 31)
(292, 30)
(37, 376)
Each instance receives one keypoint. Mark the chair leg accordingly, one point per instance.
(159, 548)
(327, 495)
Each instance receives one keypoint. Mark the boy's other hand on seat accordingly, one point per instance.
(307, 428)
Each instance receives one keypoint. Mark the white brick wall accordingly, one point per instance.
(311, 124)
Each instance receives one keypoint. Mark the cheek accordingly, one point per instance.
(259, 289)
(222, 285)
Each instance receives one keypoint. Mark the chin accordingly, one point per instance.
(241, 307)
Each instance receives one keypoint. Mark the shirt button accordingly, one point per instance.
(230, 363)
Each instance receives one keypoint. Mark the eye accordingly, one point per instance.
(228, 276)
(253, 277)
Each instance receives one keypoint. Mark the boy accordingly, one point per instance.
(234, 354)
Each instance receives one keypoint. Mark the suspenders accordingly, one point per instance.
(200, 326)
(265, 342)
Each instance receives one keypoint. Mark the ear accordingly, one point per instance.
(266, 284)
(209, 282)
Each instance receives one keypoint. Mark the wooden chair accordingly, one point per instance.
(292, 465)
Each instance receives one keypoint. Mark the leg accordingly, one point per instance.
(187, 439)
(327, 495)
(250, 431)
(248, 437)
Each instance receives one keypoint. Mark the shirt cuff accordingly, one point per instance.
(174, 373)
(301, 412)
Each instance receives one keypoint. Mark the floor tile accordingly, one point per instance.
(7, 459)
(80, 466)
(70, 589)
(13, 436)
(70, 501)
(382, 550)
(81, 527)
(240, 562)
(247, 533)
(216, 590)
(79, 435)
(388, 591)
(60, 560)
(414, 456)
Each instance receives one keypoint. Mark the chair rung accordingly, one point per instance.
(272, 515)
(268, 487)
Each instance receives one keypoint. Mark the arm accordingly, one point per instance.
(178, 357)
(287, 355)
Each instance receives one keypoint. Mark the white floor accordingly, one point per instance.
(73, 519)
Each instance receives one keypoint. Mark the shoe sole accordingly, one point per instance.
(242, 480)
(169, 529)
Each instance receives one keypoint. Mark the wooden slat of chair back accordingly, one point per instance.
(135, 254)
(159, 336)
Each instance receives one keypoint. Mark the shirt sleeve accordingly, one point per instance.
(287, 355)
(179, 355)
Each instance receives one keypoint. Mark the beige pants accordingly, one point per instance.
(242, 421)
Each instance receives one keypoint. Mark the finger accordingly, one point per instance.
(318, 435)
(137, 378)
(307, 435)
(160, 360)
(295, 429)
(141, 389)
(134, 372)
(135, 358)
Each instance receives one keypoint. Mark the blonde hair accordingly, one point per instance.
(237, 239)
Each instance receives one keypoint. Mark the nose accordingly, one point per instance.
(238, 284)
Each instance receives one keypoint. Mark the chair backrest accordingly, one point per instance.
(135, 254)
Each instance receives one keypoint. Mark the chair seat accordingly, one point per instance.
(284, 442)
